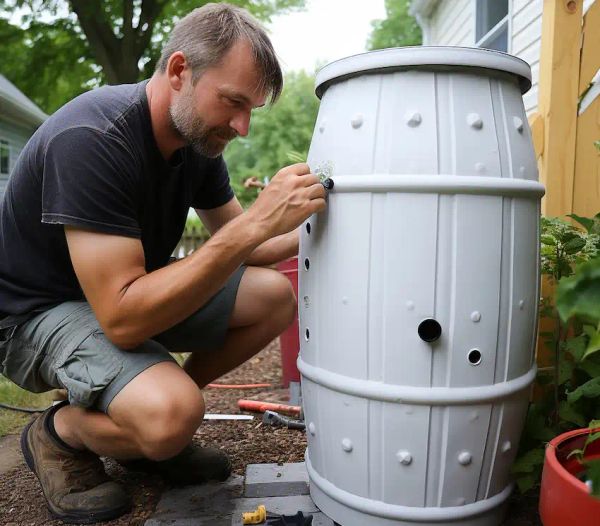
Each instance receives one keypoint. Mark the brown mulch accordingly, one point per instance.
(21, 500)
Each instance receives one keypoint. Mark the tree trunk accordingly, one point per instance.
(117, 55)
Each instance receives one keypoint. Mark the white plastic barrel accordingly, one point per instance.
(419, 287)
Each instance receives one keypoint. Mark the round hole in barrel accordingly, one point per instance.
(307, 334)
(308, 227)
(306, 263)
(430, 330)
(474, 357)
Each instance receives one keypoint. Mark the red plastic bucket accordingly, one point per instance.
(289, 341)
(564, 499)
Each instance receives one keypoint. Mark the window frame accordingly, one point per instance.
(504, 24)
(6, 143)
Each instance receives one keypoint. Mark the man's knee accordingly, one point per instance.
(279, 299)
(161, 409)
(168, 423)
(283, 299)
(264, 294)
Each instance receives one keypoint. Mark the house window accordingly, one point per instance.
(491, 29)
(4, 157)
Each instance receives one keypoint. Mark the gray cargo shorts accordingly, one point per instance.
(65, 347)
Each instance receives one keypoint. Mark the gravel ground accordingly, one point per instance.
(21, 500)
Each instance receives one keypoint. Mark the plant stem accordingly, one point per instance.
(558, 275)
(557, 373)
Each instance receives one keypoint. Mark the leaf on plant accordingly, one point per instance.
(579, 295)
(585, 222)
(526, 482)
(594, 424)
(564, 268)
(565, 371)
(548, 240)
(593, 345)
(535, 426)
(590, 367)
(576, 347)
(591, 438)
(576, 453)
(528, 462)
(590, 389)
(568, 413)
(296, 157)
(574, 245)
(593, 474)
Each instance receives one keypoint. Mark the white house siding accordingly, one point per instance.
(452, 23)
(526, 38)
(16, 136)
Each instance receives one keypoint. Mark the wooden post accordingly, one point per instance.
(536, 123)
(554, 129)
(586, 194)
(558, 96)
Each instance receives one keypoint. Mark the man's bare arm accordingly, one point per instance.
(267, 253)
(132, 305)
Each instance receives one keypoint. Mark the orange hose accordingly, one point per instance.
(238, 386)
(261, 407)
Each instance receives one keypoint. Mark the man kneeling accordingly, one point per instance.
(93, 210)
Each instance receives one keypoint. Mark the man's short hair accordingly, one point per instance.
(205, 34)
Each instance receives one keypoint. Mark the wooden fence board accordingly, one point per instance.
(586, 194)
(590, 51)
(558, 96)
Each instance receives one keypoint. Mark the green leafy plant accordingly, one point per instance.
(591, 473)
(570, 260)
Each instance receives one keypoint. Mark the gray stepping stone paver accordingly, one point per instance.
(281, 489)
(274, 480)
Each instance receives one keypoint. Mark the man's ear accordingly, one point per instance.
(177, 70)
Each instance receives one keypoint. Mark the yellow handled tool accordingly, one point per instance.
(258, 516)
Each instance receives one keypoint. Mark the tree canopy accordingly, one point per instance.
(398, 29)
(62, 48)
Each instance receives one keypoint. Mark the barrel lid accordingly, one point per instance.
(422, 56)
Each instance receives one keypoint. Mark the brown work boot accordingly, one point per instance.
(76, 488)
(194, 465)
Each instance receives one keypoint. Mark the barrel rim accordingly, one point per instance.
(422, 56)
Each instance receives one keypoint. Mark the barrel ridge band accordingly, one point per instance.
(438, 184)
(417, 395)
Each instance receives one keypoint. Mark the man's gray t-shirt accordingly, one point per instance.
(95, 164)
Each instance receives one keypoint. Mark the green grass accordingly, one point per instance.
(11, 394)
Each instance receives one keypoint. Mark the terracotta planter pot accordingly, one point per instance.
(564, 499)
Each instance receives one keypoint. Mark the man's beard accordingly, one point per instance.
(193, 130)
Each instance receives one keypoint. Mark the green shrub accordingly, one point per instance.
(570, 259)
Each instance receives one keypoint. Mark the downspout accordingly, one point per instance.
(425, 29)
(422, 10)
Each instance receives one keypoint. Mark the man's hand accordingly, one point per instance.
(293, 195)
